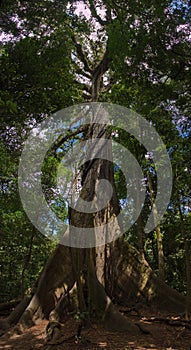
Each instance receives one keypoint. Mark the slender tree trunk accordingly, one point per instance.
(187, 257)
(26, 262)
(140, 227)
(161, 264)
(140, 224)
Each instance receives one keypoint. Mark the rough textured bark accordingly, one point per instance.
(90, 265)
(54, 282)
(135, 281)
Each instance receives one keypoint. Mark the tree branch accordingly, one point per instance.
(107, 87)
(84, 74)
(102, 67)
(68, 136)
(98, 72)
(86, 96)
(108, 11)
(84, 86)
(81, 55)
(95, 14)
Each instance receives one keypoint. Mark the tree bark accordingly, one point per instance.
(161, 263)
(26, 262)
(55, 281)
(129, 279)
(135, 281)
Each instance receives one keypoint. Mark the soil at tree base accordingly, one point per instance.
(94, 337)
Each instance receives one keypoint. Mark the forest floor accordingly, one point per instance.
(166, 332)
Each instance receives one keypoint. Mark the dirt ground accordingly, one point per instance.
(172, 334)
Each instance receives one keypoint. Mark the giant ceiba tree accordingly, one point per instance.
(108, 46)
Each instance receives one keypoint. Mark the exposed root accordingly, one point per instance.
(115, 321)
(4, 326)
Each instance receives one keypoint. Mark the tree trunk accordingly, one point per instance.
(187, 260)
(90, 264)
(26, 262)
(161, 264)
